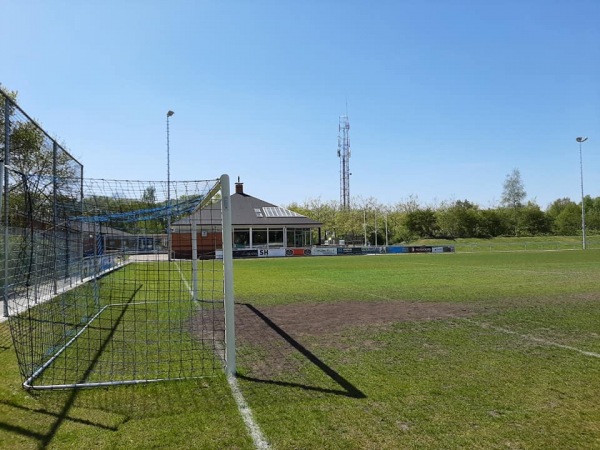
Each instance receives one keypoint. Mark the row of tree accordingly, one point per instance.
(406, 221)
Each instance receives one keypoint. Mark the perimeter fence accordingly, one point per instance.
(42, 184)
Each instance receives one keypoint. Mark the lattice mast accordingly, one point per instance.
(344, 155)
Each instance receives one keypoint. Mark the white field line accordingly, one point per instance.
(492, 327)
(184, 280)
(532, 338)
(260, 443)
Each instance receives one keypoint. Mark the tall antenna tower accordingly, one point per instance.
(344, 155)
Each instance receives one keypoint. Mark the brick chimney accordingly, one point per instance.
(239, 187)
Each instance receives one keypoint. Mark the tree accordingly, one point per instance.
(513, 195)
(31, 151)
(149, 195)
(592, 214)
(407, 205)
(422, 223)
(349, 225)
(555, 210)
(9, 97)
(556, 207)
(459, 219)
(568, 222)
(39, 168)
(397, 231)
(534, 221)
(491, 223)
(514, 190)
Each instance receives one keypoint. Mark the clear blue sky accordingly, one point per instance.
(445, 98)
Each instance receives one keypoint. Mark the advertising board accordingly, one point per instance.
(324, 251)
(271, 252)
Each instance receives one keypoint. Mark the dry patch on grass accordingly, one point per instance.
(266, 332)
(327, 318)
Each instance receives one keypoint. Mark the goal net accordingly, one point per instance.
(99, 296)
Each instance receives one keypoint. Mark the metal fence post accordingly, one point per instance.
(54, 214)
(4, 199)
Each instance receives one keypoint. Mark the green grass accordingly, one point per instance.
(140, 313)
(189, 414)
(439, 385)
(492, 380)
(486, 277)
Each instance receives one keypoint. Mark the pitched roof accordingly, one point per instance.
(249, 211)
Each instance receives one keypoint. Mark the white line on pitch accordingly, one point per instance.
(260, 443)
(184, 280)
(484, 325)
(533, 338)
(258, 438)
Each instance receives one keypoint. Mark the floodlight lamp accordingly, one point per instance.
(581, 139)
(170, 113)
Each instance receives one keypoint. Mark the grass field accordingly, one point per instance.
(482, 350)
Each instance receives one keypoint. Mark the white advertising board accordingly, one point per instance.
(271, 252)
(324, 251)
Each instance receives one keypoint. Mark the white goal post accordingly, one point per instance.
(230, 358)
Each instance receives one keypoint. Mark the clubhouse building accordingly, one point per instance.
(260, 228)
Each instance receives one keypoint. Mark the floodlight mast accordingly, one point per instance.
(169, 114)
(581, 140)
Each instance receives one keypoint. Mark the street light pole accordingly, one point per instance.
(375, 228)
(169, 114)
(386, 231)
(365, 225)
(581, 140)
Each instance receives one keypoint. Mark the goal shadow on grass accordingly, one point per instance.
(104, 408)
(5, 338)
(61, 412)
(347, 388)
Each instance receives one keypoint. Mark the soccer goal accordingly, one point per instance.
(120, 307)
(109, 282)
